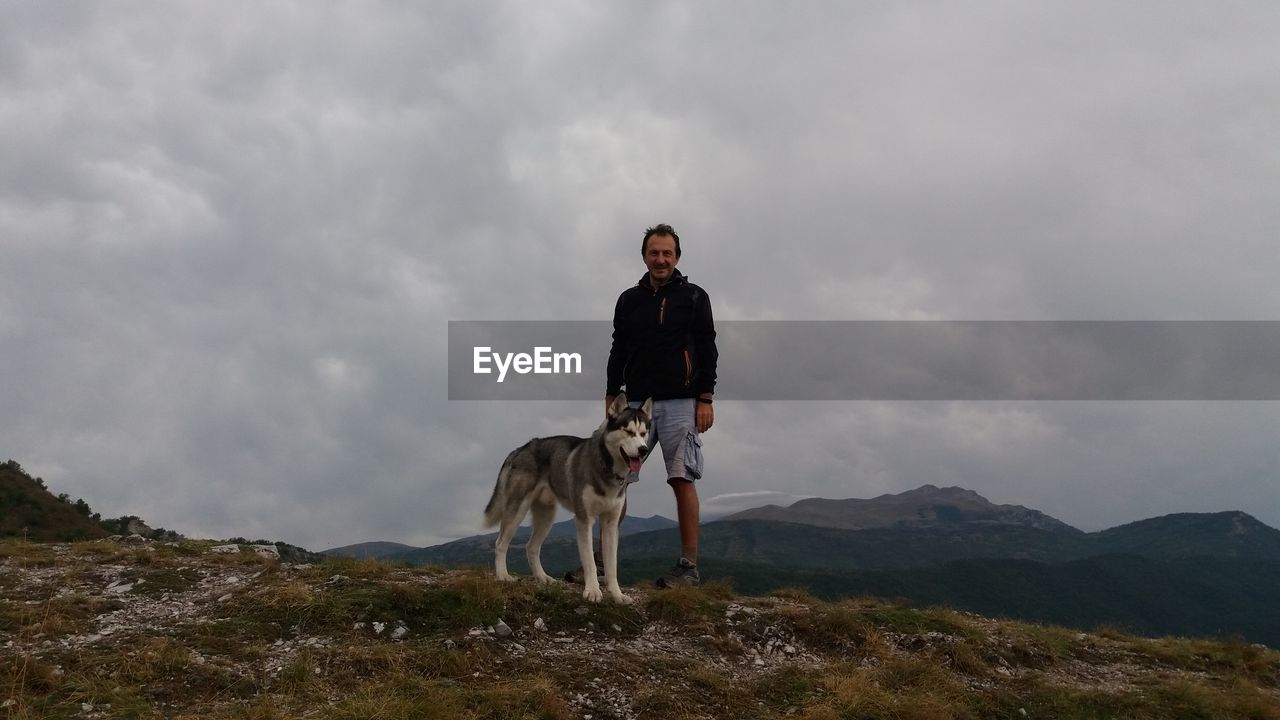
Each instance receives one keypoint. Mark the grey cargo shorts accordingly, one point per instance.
(677, 432)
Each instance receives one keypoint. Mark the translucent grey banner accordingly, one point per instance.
(892, 360)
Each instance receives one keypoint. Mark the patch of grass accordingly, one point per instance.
(1258, 664)
(562, 607)
(1065, 703)
(683, 605)
(155, 659)
(56, 616)
(362, 568)
(1041, 646)
(106, 551)
(963, 658)
(830, 627)
(350, 666)
(902, 688)
(161, 581)
(1111, 632)
(795, 594)
(335, 608)
(13, 616)
(1159, 698)
(238, 638)
(787, 687)
(720, 589)
(409, 697)
(27, 676)
(726, 645)
(141, 673)
(300, 674)
(24, 553)
(917, 621)
(718, 694)
(652, 700)
(533, 697)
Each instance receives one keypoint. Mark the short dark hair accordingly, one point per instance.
(660, 229)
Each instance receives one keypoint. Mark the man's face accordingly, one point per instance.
(660, 258)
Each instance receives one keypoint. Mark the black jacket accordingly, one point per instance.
(664, 341)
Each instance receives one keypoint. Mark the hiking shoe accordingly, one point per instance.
(684, 573)
(578, 577)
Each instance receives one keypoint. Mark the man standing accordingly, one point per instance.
(664, 347)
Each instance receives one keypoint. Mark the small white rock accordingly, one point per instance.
(266, 550)
(540, 625)
(379, 627)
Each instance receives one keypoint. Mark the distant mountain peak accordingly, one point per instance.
(1230, 533)
(952, 491)
(925, 506)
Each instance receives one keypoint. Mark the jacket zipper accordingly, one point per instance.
(662, 310)
(688, 368)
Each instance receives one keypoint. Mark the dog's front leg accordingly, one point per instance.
(592, 592)
(609, 548)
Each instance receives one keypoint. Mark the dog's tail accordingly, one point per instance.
(493, 511)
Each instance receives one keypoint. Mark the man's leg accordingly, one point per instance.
(682, 452)
(687, 512)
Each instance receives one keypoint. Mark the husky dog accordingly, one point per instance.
(586, 475)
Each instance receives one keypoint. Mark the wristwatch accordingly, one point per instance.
(704, 400)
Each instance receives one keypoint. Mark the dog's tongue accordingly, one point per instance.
(634, 464)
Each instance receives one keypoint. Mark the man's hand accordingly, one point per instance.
(704, 416)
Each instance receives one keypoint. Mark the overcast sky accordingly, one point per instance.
(232, 235)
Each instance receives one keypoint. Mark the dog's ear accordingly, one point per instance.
(618, 405)
(647, 408)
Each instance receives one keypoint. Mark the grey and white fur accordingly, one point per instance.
(588, 476)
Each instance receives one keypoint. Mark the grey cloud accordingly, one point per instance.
(231, 237)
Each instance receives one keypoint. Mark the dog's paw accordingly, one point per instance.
(622, 599)
(504, 577)
(544, 579)
(592, 594)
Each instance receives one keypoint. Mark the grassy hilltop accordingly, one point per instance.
(142, 629)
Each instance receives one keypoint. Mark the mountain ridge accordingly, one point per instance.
(564, 529)
(925, 506)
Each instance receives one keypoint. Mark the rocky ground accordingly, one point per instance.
(134, 628)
